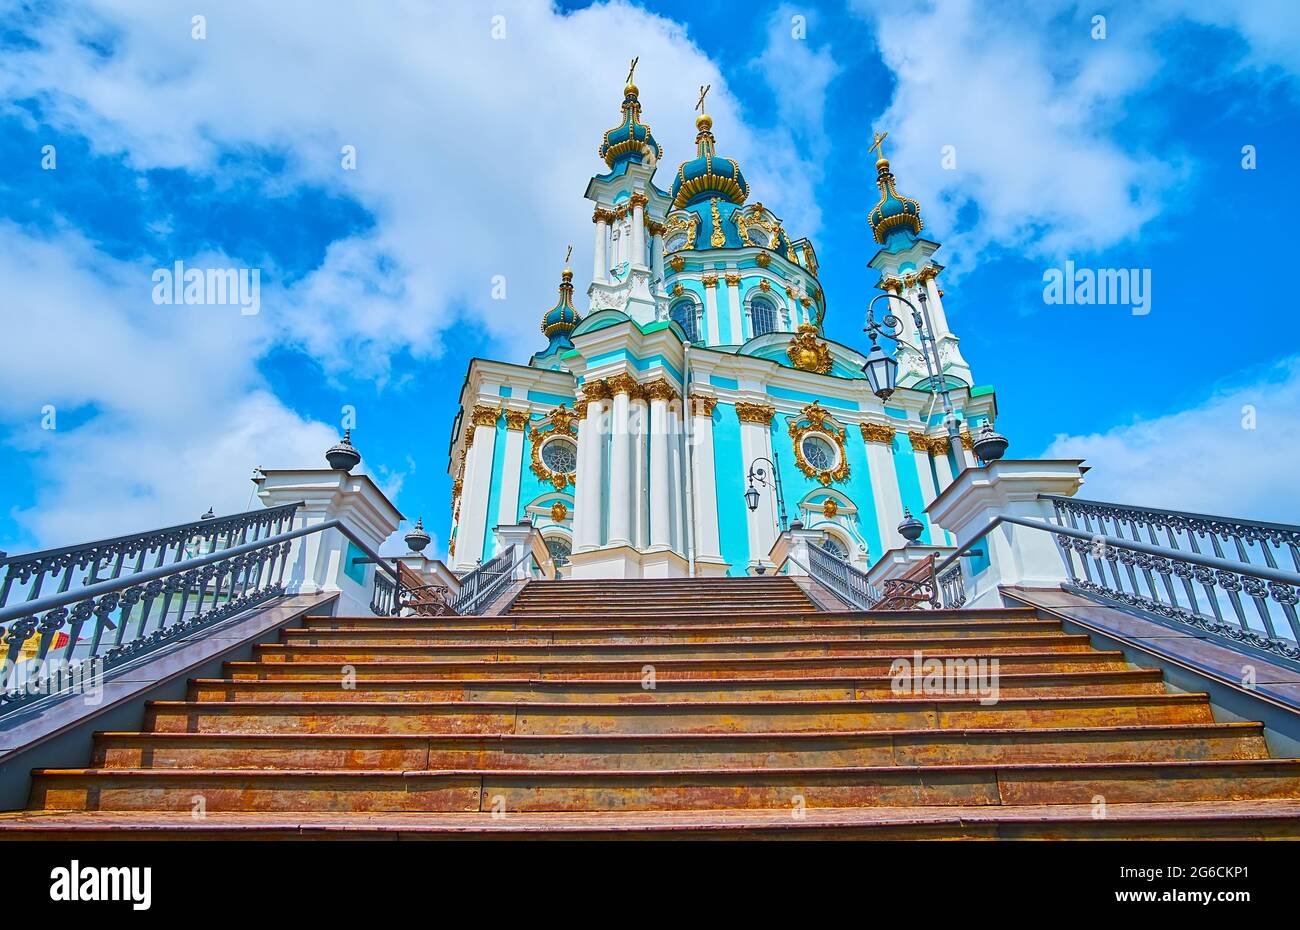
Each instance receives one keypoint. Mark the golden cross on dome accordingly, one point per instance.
(632, 70)
(567, 255)
(704, 92)
(876, 145)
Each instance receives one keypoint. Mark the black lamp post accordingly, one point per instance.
(882, 370)
(762, 477)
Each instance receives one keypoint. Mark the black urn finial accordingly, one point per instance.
(342, 455)
(417, 539)
(989, 445)
(911, 528)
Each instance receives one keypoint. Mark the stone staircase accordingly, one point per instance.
(678, 708)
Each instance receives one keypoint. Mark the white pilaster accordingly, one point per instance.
(888, 498)
(733, 309)
(620, 472)
(705, 483)
(474, 496)
(587, 498)
(676, 476)
(711, 315)
(512, 466)
(638, 232)
(660, 496)
(600, 268)
(638, 421)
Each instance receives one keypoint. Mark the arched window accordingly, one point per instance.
(762, 316)
(835, 547)
(559, 549)
(683, 314)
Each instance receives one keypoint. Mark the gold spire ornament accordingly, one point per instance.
(877, 146)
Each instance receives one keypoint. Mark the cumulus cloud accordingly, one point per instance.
(1233, 454)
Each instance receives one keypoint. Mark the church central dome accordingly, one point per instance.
(708, 175)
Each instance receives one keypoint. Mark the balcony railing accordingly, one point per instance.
(846, 582)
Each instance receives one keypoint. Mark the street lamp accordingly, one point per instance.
(762, 477)
(882, 377)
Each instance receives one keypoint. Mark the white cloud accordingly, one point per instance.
(1204, 459)
(1034, 108)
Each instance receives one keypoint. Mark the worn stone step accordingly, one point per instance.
(649, 652)
(1008, 663)
(918, 713)
(1213, 820)
(702, 789)
(689, 751)
(648, 633)
(821, 688)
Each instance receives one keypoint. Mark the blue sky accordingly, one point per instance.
(474, 142)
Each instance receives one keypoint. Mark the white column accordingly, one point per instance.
(657, 258)
(884, 488)
(512, 466)
(474, 496)
(600, 268)
(638, 232)
(620, 471)
(676, 477)
(756, 442)
(943, 468)
(711, 315)
(660, 489)
(638, 421)
(587, 515)
(707, 544)
(733, 304)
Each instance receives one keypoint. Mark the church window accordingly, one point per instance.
(559, 549)
(560, 456)
(835, 547)
(819, 453)
(762, 317)
(683, 314)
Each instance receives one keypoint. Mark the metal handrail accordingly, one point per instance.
(1219, 578)
(229, 580)
(846, 582)
(479, 587)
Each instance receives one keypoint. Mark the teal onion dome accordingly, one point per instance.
(561, 319)
(893, 212)
(708, 176)
(631, 140)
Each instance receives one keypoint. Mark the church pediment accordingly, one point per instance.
(806, 351)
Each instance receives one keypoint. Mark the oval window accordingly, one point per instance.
(819, 453)
(560, 455)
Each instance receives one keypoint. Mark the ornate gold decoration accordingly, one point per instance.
(559, 511)
(807, 353)
(676, 263)
(562, 423)
(763, 260)
(920, 441)
(805, 302)
(732, 278)
(928, 272)
(755, 413)
(659, 389)
(764, 285)
(638, 199)
(719, 238)
(686, 222)
(516, 419)
(909, 281)
(893, 285)
(678, 290)
(967, 441)
(830, 508)
(816, 420)
(596, 389)
(486, 416)
(451, 546)
(939, 446)
(702, 406)
(623, 384)
(469, 435)
(580, 409)
(601, 215)
(878, 432)
(710, 280)
(810, 259)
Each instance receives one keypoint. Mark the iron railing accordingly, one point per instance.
(482, 586)
(1164, 580)
(133, 612)
(951, 588)
(846, 582)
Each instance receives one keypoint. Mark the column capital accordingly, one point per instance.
(755, 413)
(710, 280)
(659, 389)
(702, 406)
(516, 419)
(485, 416)
(623, 384)
(920, 441)
(878, 432)
(597, 389)
(732, 278)
(601, 215)
(638, 199)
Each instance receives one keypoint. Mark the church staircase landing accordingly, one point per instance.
(711, 708)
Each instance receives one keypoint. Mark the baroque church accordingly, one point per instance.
(697, 371)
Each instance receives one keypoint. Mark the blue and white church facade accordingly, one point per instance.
(627, 440)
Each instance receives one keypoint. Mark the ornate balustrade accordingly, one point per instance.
(149, 596)
(846, 582)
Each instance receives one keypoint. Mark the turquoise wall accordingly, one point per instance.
(729, 463)
(494, 492)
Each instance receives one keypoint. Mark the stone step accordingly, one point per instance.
(396, 752)
(701, 789)
(1166, 820)
(651, 652)
(422, 635)
(823, 688)
(1008, 663)
(917, 713)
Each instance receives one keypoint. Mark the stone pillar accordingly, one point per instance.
(638, 424)
(879, 438)
(733, 310)
(711, 315)
(660, 393)
(756, 442)
(620, 463)
(638, 231)
(600, 268)
(322, 561)
(1012, 555)
(478, 484)
(705, 484)
(942, 466)
(676, 475)
(587, 516)
(657, 257)
(512, 466)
